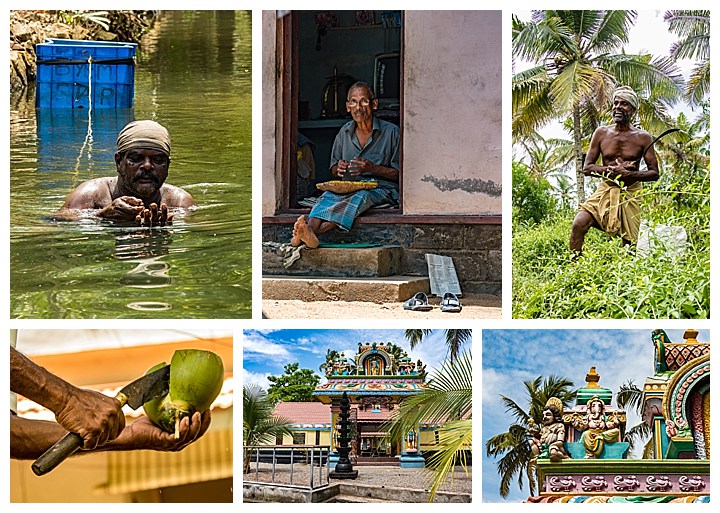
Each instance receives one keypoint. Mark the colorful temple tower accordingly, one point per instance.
(376, 380)
(581, 455)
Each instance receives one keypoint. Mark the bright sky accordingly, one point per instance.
(266, 352)
(510, 357)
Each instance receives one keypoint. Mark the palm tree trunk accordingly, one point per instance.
(577, 139)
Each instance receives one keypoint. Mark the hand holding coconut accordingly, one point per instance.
(143, 434)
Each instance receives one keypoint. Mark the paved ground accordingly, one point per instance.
(474, 307)
(394, 477)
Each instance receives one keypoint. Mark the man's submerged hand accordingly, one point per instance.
(122, 208)
(153, 216)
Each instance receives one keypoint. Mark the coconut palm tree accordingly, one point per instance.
(513, 446)
(577, 62)
(629, 396)
(260, 426)
(446, 402)
(330, 356)
(454, 339)
(694, 29)
(545, 156)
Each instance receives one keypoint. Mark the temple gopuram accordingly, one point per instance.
(376, 380)
(580, 452)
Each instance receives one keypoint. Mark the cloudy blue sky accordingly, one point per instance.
(510, 357)
(268, 351)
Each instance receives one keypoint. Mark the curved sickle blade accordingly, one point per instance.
(652, 143)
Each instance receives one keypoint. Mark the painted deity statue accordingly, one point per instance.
(547, 442)
(597, 428)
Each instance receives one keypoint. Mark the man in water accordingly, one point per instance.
(366, 149)
(138, 192)
(615, 207)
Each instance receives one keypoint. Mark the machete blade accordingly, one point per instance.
(147, 388)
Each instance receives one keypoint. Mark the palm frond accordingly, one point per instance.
(416, 336)
(612, 30)
(455, 439)
(698, 86)
(448, 397)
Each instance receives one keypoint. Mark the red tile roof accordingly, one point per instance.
(304, 414)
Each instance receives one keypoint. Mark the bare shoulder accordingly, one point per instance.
(95, 193)
(601, 132)
(642, 135)
(176, 197)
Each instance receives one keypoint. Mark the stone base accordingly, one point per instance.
(344, 475)
(411, 461)
(374, 290)
(611, 450)
(338, 262)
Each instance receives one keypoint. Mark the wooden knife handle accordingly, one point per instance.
(63, 449)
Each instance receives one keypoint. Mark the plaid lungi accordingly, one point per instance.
(342, 209)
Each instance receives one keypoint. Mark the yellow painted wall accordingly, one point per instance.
(309, 437)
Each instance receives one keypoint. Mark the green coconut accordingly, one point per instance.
(196, 377)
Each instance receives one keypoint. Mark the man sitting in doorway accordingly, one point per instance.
(366, 148)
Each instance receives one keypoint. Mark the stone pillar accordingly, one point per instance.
(334, 415)
(343, 467)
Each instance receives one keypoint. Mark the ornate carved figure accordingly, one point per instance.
(548, 441)
(691, 483)
(561, 483)
(597, 428)
(594, 483)
(626, 483)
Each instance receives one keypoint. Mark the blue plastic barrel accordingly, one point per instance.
(72, 73)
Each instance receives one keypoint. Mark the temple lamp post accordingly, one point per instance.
(343, 468)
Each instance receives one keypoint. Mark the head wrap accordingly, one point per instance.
(626, 93)
(144, 134)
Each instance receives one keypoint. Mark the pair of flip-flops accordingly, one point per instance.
(419, 303)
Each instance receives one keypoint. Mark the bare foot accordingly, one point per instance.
(296, 241)
(304, 233)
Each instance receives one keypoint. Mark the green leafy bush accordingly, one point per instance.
(610, 280)
(531, 195)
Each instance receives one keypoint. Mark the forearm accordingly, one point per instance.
(601, 171)
(30, 438)
(385, 172)
(37, 384)
(648, 175)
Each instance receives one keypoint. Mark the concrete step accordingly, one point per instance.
(337, 262)
(376, 462)
(314, 288)
(353, 499)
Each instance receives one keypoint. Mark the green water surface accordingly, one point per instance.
(193, 75)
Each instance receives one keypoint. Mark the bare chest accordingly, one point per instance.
(623, 145)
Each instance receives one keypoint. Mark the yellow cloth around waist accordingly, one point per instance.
(616, 209)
